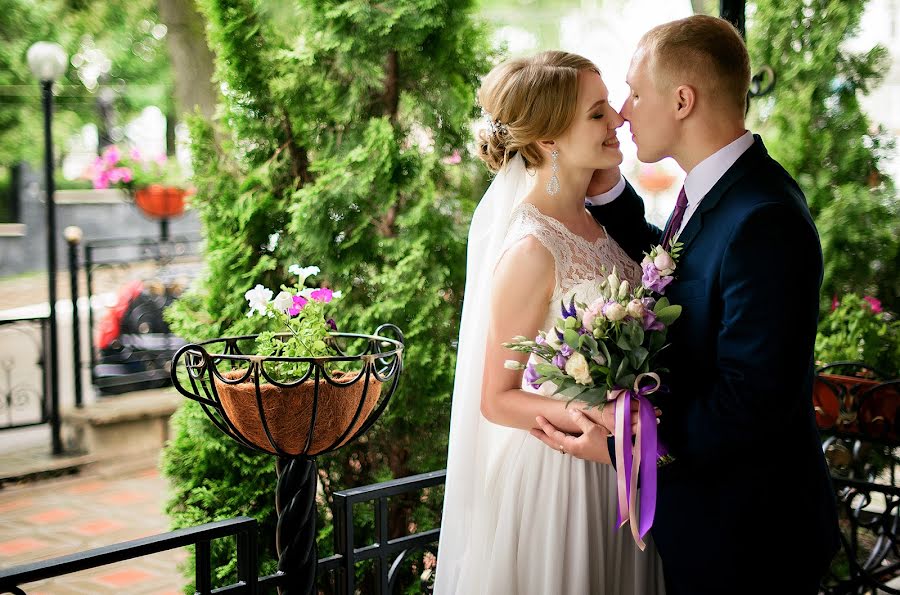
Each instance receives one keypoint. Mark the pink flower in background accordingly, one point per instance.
(101, 180)
(874, 303)
(161, 159)
(135, 154)
(834, 302)
(453, 159)
(111, 155)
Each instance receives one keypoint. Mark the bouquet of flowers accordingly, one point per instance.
(607, 351)
(298, 315)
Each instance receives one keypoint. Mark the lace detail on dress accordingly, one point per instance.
(577, 259)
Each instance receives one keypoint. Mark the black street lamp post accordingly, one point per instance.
(47, 62)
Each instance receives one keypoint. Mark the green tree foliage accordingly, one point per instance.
(330, 150)
(124, 32)
(814, 125)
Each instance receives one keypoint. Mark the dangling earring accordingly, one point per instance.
(553, 184)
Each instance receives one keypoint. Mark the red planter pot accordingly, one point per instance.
(160, 202)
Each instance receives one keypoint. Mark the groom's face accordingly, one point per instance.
(648, 111)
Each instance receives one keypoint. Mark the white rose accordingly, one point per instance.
(635, 309)
(577, 368)
(614, 312)
(283, 301)
(664, 263)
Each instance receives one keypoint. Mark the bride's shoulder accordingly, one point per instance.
(527, 263)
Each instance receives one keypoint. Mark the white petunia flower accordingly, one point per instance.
(283, 302)
(303, 272)
(258, 298)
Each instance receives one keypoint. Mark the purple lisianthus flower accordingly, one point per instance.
(531, 376)
(569, 312)
(559, 360)
(651, 323)
(566, 350)
(540, 340)
(322, 295)
(299, 302)
(651, 279)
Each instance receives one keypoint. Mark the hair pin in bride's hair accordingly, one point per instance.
(497, 127)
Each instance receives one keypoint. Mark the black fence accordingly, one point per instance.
(131, 346)
(25, 399)
(338, 571)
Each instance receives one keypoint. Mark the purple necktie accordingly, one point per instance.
(675, 220)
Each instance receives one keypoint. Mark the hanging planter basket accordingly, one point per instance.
(320, 410)
(160, 202)
(856, 404)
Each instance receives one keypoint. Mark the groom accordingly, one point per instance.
(747, 505)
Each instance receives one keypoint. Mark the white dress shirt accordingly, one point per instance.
(698, 182)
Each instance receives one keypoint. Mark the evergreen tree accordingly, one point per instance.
(814, 125)
(332, 149)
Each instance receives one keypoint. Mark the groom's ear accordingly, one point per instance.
(686, 99)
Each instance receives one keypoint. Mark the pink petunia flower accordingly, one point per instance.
(322, 295)
(299, 303)
(874, 303)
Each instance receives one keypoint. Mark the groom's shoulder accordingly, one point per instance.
(767, 182)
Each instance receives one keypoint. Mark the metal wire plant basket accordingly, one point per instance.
(325, 403)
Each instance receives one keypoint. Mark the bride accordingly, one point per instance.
(520, 518)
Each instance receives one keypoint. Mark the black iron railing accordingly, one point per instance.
(25, 397)
(244, 528)
(388, 554)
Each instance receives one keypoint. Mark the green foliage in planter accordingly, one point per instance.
(331, 151)
(814, 125)
(859, 330)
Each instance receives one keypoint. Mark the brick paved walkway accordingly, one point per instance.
(57, 517)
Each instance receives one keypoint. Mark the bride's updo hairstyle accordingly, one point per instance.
(528, 100)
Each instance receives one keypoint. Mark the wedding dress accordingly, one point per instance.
(521, 518)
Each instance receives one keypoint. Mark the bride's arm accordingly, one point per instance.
(522, 287)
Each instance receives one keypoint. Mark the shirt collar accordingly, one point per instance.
(705, 175)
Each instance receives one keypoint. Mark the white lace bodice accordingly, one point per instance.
(580, 264)
(578, 261)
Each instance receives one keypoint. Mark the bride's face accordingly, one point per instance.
(590, 141)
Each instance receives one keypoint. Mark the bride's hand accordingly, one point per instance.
(603, 180)
(591, 445)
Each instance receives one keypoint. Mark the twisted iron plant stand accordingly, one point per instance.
(201, 380)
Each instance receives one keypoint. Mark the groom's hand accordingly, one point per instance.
(603, 180)
(591, 445)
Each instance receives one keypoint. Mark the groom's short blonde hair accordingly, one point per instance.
(704, 52)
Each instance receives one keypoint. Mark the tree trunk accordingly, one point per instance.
(192, 62)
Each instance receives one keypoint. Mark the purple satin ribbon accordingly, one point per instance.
(629, 467)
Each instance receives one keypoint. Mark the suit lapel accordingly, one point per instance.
(709, 202)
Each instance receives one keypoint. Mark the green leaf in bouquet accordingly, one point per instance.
(572, 392)
(624, 342)
(594, 397)
(621, 372)
(662, 303)
(635, 333)
(548, 370)
(591, 343)
(570, 336)
(601, 346)
(669, 314)
(657, 340)
(627, 380)
(639, 356)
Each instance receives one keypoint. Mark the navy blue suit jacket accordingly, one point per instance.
(749, 492)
